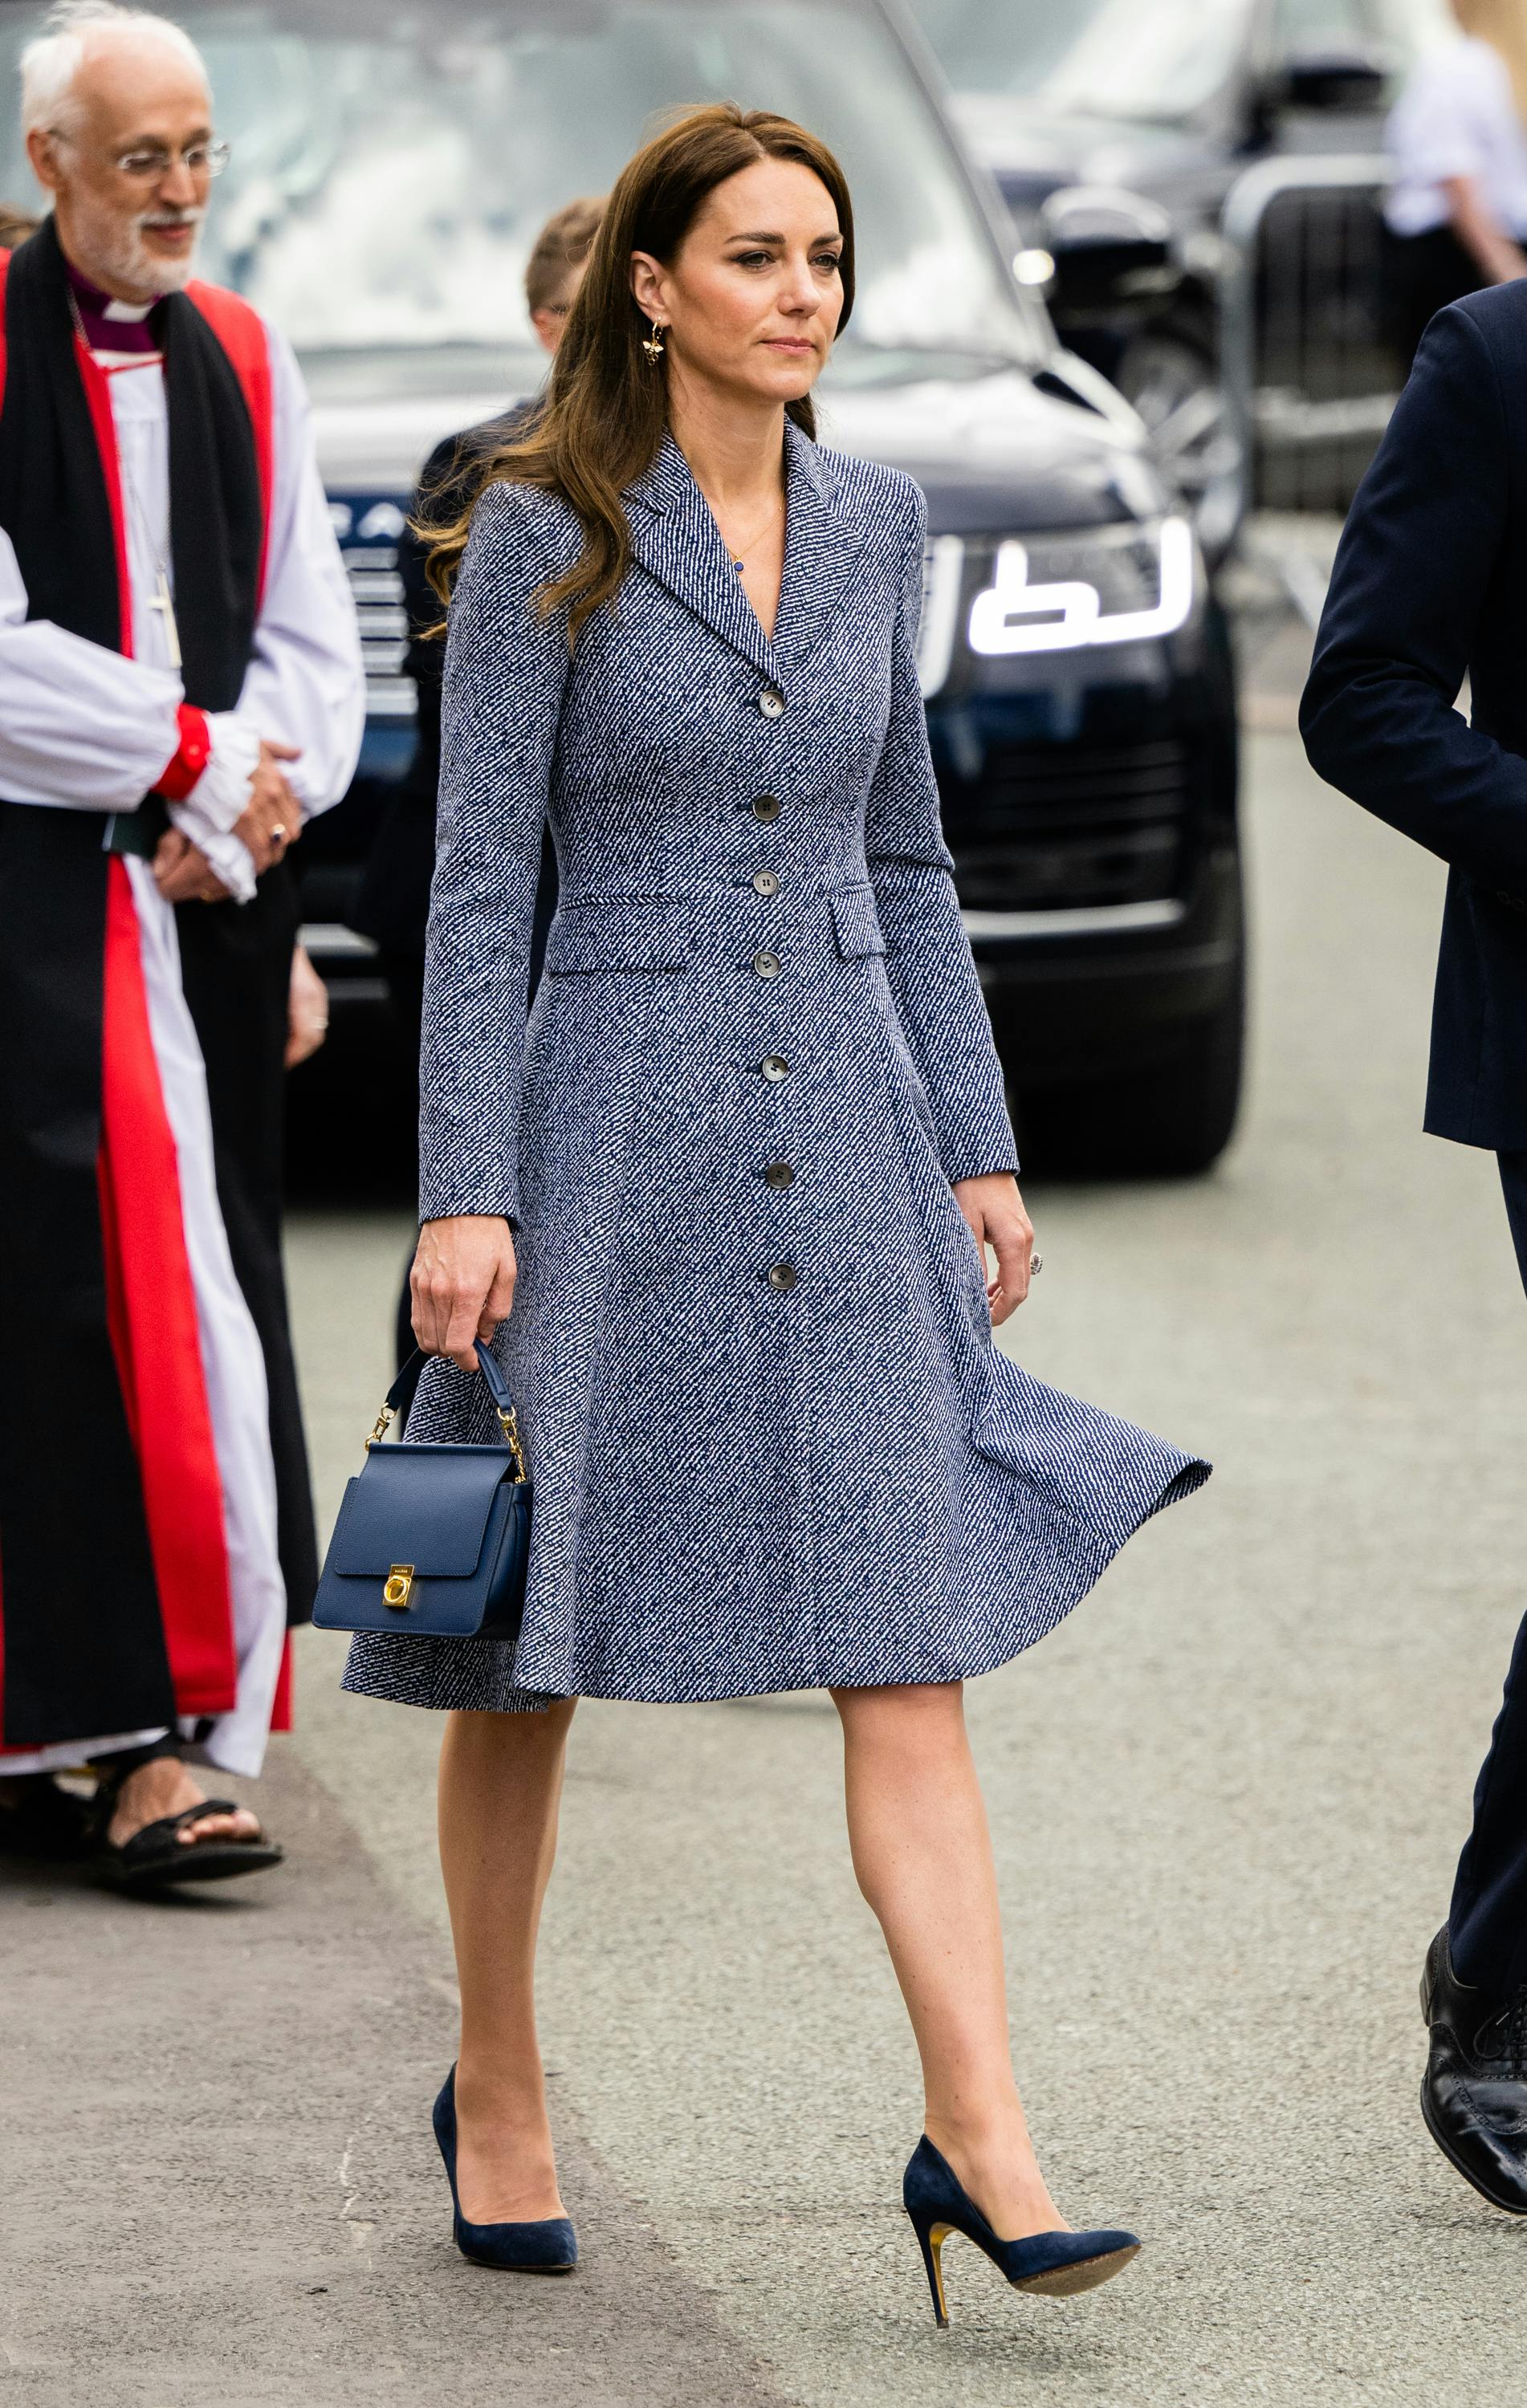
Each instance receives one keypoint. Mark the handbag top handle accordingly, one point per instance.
(405, 1388)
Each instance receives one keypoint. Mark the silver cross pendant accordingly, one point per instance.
(163, 601)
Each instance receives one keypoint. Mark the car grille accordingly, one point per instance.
(377, 591)
(1058, 826)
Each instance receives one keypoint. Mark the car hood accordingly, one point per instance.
(1032, 152)
(990, 452)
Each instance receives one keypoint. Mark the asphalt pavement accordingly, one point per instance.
(1226, 1795)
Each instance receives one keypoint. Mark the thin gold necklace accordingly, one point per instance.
(775, 507)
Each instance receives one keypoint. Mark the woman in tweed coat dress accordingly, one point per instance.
(750, 1148)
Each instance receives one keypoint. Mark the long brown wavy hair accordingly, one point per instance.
(606, 407)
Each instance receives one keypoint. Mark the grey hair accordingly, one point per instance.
(52, 62)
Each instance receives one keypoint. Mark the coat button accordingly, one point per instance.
(775, 1067)
(766, 807)
(772, 702)
(782, 1276)
(779, 1174)
(766, 964)
(765, 883)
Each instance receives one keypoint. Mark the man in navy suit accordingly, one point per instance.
(1431, 586)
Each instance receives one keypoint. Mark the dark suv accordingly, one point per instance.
(1116, 129)
(390, 168)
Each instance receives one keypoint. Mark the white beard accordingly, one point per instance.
(120, 255)
(162, 275)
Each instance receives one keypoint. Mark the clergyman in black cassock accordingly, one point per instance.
(172, 606)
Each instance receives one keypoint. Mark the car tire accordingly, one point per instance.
(1169, 374)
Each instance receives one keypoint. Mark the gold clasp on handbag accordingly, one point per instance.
(385, 1421)
(398, 1587)
(511, 1428)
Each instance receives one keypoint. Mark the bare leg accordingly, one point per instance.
(922, 1852)
(501, 1785)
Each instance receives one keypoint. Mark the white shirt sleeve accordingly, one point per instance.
(305, 685)
(218, 798)
(86, 728)
(1440, 125)
(221, 795)
(80, 726)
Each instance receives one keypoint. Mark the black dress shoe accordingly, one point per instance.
(1475, 2094)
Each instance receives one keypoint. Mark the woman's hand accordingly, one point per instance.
(462, 1283)
(994, 1210)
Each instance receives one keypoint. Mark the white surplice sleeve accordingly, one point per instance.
(80, 726)
(86, 728)
(306, 685)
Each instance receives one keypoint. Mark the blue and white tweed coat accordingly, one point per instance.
(773, 1447)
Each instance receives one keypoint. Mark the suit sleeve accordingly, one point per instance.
(1411, 580)
(505, 671)
(438, 495)
(928, 964)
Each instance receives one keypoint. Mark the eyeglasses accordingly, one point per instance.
(151, 167)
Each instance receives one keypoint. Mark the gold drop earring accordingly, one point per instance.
(652, 344)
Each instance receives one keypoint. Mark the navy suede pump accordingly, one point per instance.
(1052, 2263)
(549, 2246)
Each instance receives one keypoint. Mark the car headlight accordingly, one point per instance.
(1054, 593)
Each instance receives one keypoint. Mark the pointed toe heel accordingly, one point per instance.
(1087, 2259)
(1051, 2265)
(546, 2246)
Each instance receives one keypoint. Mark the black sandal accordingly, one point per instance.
(156, 1856)
(39, 1820)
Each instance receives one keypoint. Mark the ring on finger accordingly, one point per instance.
(1036, 1264)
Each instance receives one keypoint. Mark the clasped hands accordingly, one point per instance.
(462, 1283)
(270, 821)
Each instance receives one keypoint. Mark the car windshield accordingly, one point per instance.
(393, 161)
(1159, 60)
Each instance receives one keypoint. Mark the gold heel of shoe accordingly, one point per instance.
(932, 2237)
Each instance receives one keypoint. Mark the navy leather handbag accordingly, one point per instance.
(432, 1539)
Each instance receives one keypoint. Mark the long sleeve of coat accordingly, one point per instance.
(1412, 579)
(928, 964)
(505, 669)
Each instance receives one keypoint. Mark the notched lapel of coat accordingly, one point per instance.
(823, 543)
(675, 540)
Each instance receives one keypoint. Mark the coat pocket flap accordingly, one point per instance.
(424, 1506)
(857, 925)
(626, 937)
